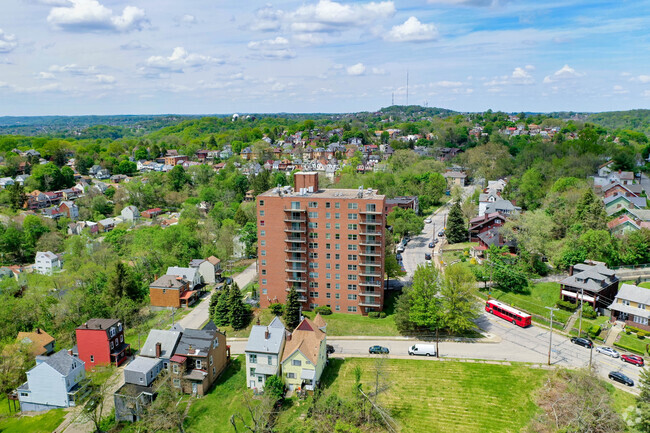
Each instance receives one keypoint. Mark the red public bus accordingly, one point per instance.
(508, 313)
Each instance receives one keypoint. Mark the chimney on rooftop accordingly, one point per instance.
(267, 334)
(38, 330)
(158, 350)
(100, 326)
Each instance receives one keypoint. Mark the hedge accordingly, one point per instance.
(629, 349)
(324, 310)
(376, 315)
(566, 305)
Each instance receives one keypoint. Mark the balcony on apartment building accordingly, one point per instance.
(370, 253)
(295, 239)
(292, 209)
(375, 294)
(370, 283)
(296, 269)
(295, 259)
(369, 263)
(297, 289)
(369, 273)
(296, 250)
(371, 303)
(369, 243)
(292, 279)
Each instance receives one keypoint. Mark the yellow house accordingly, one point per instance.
(305, 355)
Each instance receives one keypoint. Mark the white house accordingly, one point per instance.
(130, 214)
(263, 353)
(208, 268)
(5, 182)
(56, 381)
(190, 274)
(47, 262)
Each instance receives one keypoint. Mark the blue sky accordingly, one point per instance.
(74, 57)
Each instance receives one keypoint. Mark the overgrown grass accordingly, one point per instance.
(533, 300)
(45, 423)
(632, 342)
(155, 320)
(430, 396)
(212, 412)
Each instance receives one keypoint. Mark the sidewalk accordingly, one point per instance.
(613, 335)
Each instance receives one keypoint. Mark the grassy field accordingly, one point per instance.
(430, 396)
(537, 297)
(44, 423)
(212, 412)
(632, 342)
(338, 323)
(156, 320)
(645, 285)
(588, 323)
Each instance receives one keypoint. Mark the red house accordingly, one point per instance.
(484, 223)
(101, 342)
(151, 213)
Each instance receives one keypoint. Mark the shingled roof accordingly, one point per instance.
(307, 339)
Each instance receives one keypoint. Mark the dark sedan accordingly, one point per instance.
(431, 245)
(378, 350)
(585, 342)
(620, 377)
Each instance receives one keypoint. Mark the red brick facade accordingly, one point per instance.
(328, 244)
(101, 342)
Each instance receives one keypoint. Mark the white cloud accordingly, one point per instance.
(73, 69)
(412, 31)
(102, 79)
(91, 16)
(642, 78)
(277, 48)
(378, 71)
(45, 76)
(529, 67)
(448, 84)
(7, 42)
(565, 73)
(188, 20)
(327, 15)
(521, 76)
(620, 90)
(475, 3)
(308, 39)
(267, 19)
(179, 60)
(357, 69)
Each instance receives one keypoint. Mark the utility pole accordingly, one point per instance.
(591, 354)
(582, 301)
(550, 337)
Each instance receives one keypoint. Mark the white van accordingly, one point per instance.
(423, 349)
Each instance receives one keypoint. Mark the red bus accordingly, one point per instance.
(508, 313)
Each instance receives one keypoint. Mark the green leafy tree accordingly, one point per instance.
(123, 284)
(292, 309)
(221, 315)
(426, 303)
(459, 306)
(590, 212)
(276, 309)
(456, 230)
(274, 387)
(177, 178)
(126, 167)
(248, 235)
(17, 196)
(531, 191)
(48, 177)
(405, 221)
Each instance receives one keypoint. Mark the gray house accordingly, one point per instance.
(130, 214)
(263, 353)
(161, 344)
(142, 370)
(56, 381)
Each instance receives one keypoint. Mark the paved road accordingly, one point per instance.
(199, 314)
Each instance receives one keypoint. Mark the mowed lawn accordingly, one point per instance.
(212, 412)
(44, 423)
(534, 300)
(434, 396)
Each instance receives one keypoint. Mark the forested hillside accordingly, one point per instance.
(636, 120)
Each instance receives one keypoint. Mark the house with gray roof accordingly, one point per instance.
(590, 282)
(56, 381)
(191, 275)
(632, 306)
(264, 353)
(138, 392)
(130, 214)
(142, 370)
(504, 206)
(47, 262)
(161, 344)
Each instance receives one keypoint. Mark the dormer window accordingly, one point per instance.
(111, 332)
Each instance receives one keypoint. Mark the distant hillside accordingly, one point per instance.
(417, 111)
(636, 120)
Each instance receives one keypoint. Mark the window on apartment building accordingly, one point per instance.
(337, 256)
(352, 237)
(312, 225)
(370, 207)
(337, 308)
(264, 281)
(352, 287)
(264, 291)
(352, 247)
(352, 297)
(291, 375)
(337, 236)
(263, 262)
(313, 235)
(313, 294)
(263, 243)
(337, 205)
(313, 204)
(352, 227)
(337, 295)
(261, 213)
(337, 276)
(328, 226)
(328, 256)
(328, 295)
(313, 245)
(328, 246)
(337, 216)
(337, 246)
(328, 285)
(328, 205)
(261, 202)
(252, 359)
(328, 215)
(352, 267)
(337, 266)
(338, 286)
(262, 223)
(313, 284)
(263, 252)
(353, 206)
(313, 214)
(352, 216)
(262, 232)
(352, 257)
(313, 255)
(328, 236)
(352, 309)
(337, 226)
(313, 265)
(328, 266)
(263, 271)
(352, 277)
(295, 205)
(328, 276)
(313, 275)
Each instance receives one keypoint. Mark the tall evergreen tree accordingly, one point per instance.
(221, 316)
(214, 300)
(17, 196)
(292, 309)
(238, 311)
(590, 212)
(456, 230)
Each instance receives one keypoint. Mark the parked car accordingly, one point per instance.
(330, 349)
(400, 249)
(427, 256)
(620, 377)
(427, 221)
(607, 351)
(227, 280)
(432, 244)
(633, 359)
(585, 342)
(398, 256)
(378, 350)
(441, 233)
(423, 349)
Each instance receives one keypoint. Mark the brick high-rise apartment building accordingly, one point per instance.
(327, 243)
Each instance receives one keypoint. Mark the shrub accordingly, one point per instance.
(373, 314)
(566, 305)
(594, 331)
(642, 334)
(274, 387)
(276, 309)
(631, 329)
(588, 312)
(382, 315)
(324, 310)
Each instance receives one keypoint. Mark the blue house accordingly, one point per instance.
(56, 381)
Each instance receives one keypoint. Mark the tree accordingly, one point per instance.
(126, 167)
(17, 196)
(165, 413)
(531, 191)
(643, 400)
(590, 212)
(459, 306)
(14, 360)
(67, 177)
(122, 283)
(221, 315)
(292, 309)
(48, 177)
(238, 312)
(426, 308)
(274, 387)
(177, 178)
(405, 221)
(456, 230)
(214, 300)
(248, 235)
(93, 409)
